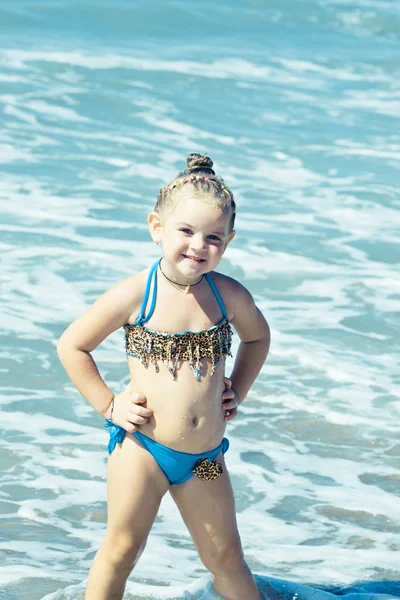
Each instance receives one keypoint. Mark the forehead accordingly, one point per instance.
(202, 212)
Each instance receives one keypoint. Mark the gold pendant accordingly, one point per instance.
(187, 288)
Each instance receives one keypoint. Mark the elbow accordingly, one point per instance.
(67, 348)
(265, 339)
(264, 332)
(61, 348)
(267, 336)
(267, 343)
(64, 347)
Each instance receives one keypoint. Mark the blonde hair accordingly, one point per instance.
(200, 175)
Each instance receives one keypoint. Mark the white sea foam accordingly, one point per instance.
(9, 154)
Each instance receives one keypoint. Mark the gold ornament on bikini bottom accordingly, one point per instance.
(207, 469)
(153, 346)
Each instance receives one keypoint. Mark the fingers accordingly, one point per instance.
(230, 414)
(129, 411)
(138, 398)
(130, 427)
(228, 383)
(137, 414)
(135, 409)
(228, 395)
(136, 419)
(140, 411)
(229, 404)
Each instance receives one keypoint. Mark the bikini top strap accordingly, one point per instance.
(217, 295)
(151, 279)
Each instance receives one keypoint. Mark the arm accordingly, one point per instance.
(108, 313)
(255, 338)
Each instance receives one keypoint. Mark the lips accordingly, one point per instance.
(195, 259)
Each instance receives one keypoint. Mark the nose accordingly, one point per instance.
(197, 242)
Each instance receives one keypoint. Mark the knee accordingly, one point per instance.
(122, 551)
(224, 559)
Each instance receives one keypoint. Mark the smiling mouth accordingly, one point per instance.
(194, 258)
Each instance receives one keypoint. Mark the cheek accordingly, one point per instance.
(177, 242)
(172, 240)
(216, 250)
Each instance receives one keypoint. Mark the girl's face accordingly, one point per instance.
(194, 236)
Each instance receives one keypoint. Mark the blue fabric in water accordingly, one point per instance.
(176, 466)
(289, 590)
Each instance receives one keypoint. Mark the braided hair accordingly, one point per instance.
(200, 174)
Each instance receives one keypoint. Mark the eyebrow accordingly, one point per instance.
(221, 233)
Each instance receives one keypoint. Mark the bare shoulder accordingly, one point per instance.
(241, 309)
(109, 312)
(235, 296)
(127, 294)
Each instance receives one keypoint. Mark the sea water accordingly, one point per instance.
(297, 102)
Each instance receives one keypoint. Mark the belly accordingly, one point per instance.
(187, 414)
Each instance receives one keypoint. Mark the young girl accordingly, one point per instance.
(167, 430)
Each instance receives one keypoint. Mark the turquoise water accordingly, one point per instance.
(297, 102)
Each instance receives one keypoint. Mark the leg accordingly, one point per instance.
(135, 487)
(208, 510)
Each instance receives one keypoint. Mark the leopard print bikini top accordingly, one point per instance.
(153, 346)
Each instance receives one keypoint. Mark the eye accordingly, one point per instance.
(186, 230)
(214, 238)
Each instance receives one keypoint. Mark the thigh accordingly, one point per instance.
(208, 510)
(135, 487)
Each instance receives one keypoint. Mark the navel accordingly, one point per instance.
(195, 421)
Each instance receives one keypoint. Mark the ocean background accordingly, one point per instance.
(298, 104)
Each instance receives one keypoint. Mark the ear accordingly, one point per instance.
(155, 226)
(230, 238)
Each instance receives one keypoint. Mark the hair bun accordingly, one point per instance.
(197, 162)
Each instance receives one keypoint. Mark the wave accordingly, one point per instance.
(270, 588)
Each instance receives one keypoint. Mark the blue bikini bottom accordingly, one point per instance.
(177, 466)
